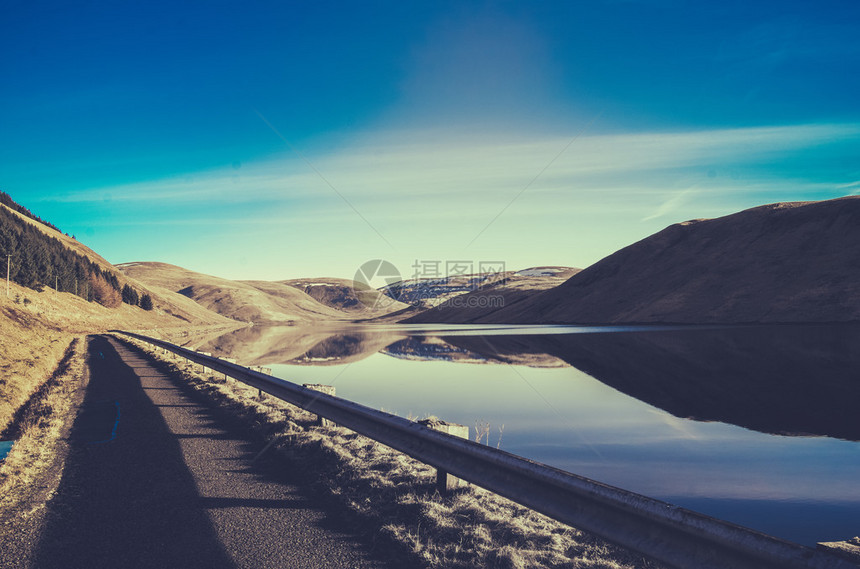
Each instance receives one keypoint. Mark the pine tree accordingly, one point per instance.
(146, 302)
(130, 296)
(39, 260)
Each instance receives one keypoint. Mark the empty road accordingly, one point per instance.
(153, 480)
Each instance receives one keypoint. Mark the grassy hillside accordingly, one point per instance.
(37, 327)
(38, 258)
(785, 262)
(260, 302)
(346, 295)
(39, 321)
(44, 258)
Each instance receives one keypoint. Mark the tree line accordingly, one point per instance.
(7, 200)
(39, 260)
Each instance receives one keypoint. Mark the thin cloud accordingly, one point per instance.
(672, 204)
(430, 194)
(410, 165)
(853, 186)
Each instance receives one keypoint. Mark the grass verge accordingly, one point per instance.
(37, 427)
(393, 497)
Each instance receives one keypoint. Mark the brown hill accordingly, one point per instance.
(165, 302)
(257, 302)
(262, 302)
(37, 324)
(347, 296)
(784, 262)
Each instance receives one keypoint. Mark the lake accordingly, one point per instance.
(757, 425)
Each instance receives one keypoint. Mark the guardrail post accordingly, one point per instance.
(232, 361)
(446, 483)
(328, 390)
(205, 354)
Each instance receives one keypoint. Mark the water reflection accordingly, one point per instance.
(318, 345)
(665, 412)
(798, 380)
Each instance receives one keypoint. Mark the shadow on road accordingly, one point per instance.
(131, 501)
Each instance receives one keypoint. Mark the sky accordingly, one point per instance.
(287, 139)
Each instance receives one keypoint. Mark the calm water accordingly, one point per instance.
(755, 425)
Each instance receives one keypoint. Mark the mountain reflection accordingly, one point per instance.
(317, 345)
(798, 380)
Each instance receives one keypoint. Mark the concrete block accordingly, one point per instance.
(328, 390)
(445, 482)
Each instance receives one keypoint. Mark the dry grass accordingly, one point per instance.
(393, 496)
(23, 474)
(244, 301)
(36, 327)
(29, 352)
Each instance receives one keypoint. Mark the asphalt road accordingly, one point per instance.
(153, 480)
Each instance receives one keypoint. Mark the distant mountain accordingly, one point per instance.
(459, 296)
(345, 295)
(260, 302)
(784, 262)
(513, 287)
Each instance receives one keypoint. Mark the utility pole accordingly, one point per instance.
(56, 279)
(8, 264)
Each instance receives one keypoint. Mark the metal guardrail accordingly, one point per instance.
(666, 533)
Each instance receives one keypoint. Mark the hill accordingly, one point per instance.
(783, 262)
(511, 288)
(61, 289)
(346, 295)
(433, 292)
(260, 302)
(43, 257)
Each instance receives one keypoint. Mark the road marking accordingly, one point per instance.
(114, 430)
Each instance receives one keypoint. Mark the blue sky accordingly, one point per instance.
(295, 139)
